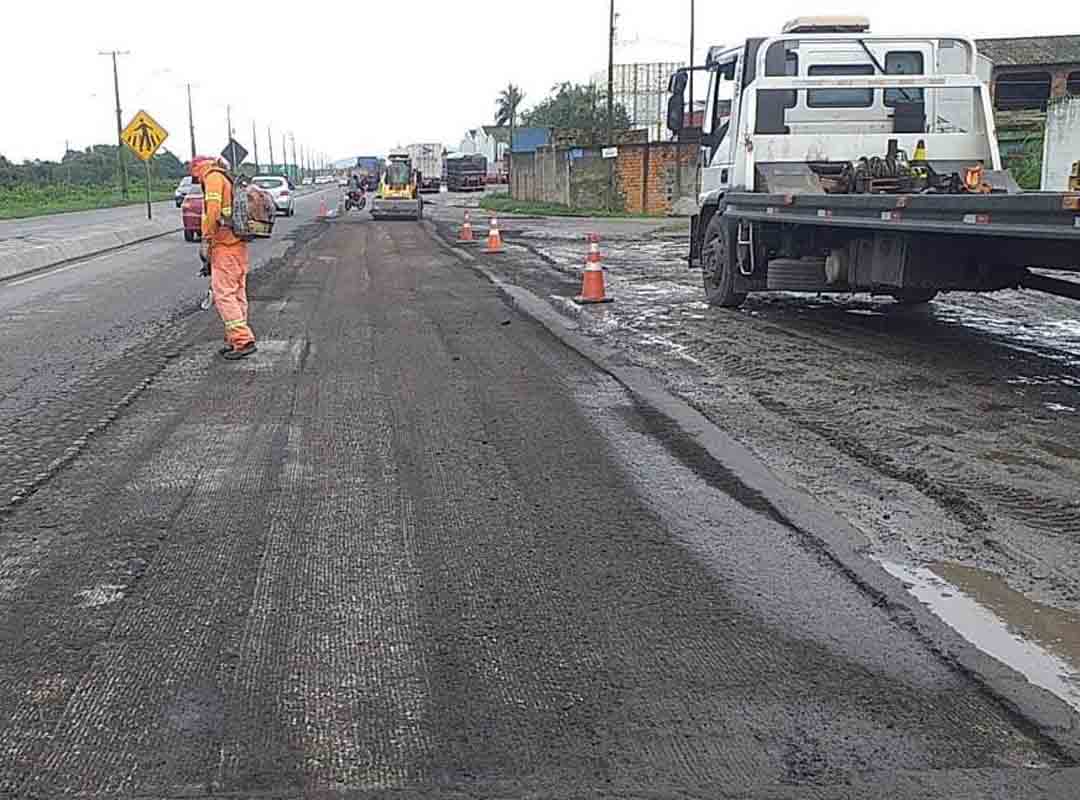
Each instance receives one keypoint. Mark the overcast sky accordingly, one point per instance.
(363, 76)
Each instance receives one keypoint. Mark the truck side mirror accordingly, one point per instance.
(676, 114)
(675, 111)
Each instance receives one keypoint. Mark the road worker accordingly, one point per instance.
(226, 254)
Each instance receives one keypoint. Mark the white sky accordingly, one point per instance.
(362, 76)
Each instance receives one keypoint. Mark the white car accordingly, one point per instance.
(187, 185)
(280, 189)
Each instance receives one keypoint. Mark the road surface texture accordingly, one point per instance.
(418, 548)
(79, 339)
(948, 435)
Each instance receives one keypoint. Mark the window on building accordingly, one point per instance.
(903, 63)
(1021, 90)
(840, 98)
(1073, 84)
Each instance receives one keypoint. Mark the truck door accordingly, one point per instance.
(718, 128)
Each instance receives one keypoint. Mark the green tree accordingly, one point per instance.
(506, 108)
(577, 106)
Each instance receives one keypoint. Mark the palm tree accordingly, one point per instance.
(506, 106)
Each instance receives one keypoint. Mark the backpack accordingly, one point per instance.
(253, 211)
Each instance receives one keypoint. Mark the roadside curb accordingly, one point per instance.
(820, 527)
(35, 259)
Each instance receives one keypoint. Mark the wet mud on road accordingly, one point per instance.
(949, 435)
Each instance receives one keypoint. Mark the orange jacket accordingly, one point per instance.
(217, 202)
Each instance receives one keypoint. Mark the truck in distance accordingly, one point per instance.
(427, 159)
(466, 172)
(851, 161)
(369, 169)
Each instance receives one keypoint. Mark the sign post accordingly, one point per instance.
(144, 136)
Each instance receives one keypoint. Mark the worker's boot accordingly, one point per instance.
(243, 352)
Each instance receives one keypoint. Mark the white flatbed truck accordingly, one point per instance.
(852, 162)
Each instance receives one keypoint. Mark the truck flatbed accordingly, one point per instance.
(1026, 215)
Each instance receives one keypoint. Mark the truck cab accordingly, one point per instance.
(824, 91)
(836, 160)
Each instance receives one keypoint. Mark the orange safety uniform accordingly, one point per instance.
(228, 255)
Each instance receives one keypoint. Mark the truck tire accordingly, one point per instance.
(718, 263)
(914, 297)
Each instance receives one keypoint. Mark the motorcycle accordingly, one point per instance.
(355, 198)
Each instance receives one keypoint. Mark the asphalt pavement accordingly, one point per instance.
(57, 227)
(74, 336)
(416, 547)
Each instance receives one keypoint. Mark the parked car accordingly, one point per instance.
(191, 210)
(281, 189)
(186, 186)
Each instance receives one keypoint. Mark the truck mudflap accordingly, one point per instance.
(1034, 215)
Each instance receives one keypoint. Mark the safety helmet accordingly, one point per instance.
(200, 165)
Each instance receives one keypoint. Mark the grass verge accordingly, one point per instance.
(25, 202)
(508, 205)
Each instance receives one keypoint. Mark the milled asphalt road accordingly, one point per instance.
(416, 547)
(74, 337)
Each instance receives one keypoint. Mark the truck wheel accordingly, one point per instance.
(914, 297)
(718, 263)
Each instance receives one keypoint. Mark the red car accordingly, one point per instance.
(191, 211)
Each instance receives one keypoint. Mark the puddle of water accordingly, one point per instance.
(1040, 642)
(1059, 407)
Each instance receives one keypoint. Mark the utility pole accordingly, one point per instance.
(284, 155)
(292, 137)
(692, 15)
(255, 142)
(120, 165)
(611, 104)
(611, 77)
(232, 147)
(191, 122)
(270, 141)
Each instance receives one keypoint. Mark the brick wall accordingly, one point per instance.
(649, 178)
(653, 177)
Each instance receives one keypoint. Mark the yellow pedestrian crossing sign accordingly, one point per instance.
(144, 136)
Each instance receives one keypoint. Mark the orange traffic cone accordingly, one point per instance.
(466, 236)
(322, 209)
(592, 280)
(494, 239)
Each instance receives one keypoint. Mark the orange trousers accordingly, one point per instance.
(228, 280)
